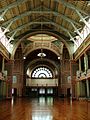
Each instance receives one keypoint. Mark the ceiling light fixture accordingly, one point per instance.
(24, 57)
(41, 54)
(58, 57)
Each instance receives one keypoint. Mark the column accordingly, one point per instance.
(3, 83)
(87, 86)
(79, 64)
(3, 64)
(61, 72)
(85, 61)
(81, 89)
(9, 68)
(78, 89)
(78, 82)
(59, 86)
(71, 91)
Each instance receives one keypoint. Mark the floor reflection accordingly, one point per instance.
(47, 101)
(42, 115)
(42, 110)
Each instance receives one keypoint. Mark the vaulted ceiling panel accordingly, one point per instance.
(68, 12)
(59, 20)
(32, 3)
(25, 19)
(8, 15)
(22, 8)
(15, 25)
(81, 4)
(56, 15)
(53, 5)
(61, 8)
(15, 11)
(18, 22)
(47, 3)
(73, 2)
(10, 1)
(3, 3)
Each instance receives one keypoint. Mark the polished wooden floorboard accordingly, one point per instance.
(44, 108)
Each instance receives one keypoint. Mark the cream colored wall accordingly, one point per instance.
(41, 82)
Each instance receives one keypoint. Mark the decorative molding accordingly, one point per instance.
(38, 45)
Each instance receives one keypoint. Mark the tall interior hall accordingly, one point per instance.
(44, 60)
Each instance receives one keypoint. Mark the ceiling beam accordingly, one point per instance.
(41, 23)
(60, 26)
(56, 13)
(71, 6)
(47, 28)
(83, 19)
(2, 15)
(37, 11)
(66, 18)
(77, 10)
(12, 5)
(71, 38)
(6, 29)
(77, 31)
(12, 37)
(27, 24)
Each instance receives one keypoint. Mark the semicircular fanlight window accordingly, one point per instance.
(42, 72)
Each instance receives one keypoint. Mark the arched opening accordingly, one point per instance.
(42, 73)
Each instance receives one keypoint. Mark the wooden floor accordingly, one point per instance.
(42, 108)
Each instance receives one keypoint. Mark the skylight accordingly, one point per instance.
(4, 40)
(84, 33)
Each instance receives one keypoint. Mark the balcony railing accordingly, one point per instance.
(41, 82)
(83, 75)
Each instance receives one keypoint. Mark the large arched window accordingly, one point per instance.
(42, 72)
